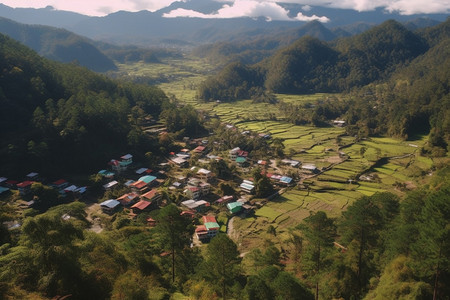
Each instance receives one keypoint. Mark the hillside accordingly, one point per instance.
(58, 44)
(51, 111)
(372, 59)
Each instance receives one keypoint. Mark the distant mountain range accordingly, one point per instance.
(58, 44)
(146, 28)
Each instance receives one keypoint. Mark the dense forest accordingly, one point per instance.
(385, 71)
(51, 111)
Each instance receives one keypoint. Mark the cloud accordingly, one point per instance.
(246, 8)
(94, 7)
(405, 7)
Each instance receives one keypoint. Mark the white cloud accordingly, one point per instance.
(406, 7)
(247, 8)
(306, 7)
(93, 7)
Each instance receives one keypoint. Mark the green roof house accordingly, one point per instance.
(234, 207)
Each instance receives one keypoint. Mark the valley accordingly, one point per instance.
(349, 167)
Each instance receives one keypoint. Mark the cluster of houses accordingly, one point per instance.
(63, 187)
(143, 195)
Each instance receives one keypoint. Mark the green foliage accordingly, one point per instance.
(222, 265)
(235, 81)
(50, 112)
(398, 282)
(319, 232)
(174, 232)
(185, 119)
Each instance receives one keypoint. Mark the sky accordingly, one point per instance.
(269, 9)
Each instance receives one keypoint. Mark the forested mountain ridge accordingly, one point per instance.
(51, 111)
(146, 28)
(58, 44)
(374, 60)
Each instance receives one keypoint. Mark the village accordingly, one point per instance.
(137, 191)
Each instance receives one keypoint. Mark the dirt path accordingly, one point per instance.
(233, 234)
(96, 225)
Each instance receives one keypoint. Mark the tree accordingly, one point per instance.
(174, 232)
(398, 282)
(223, 262)
(319, 232)
(432, 250)
(359, 229)
(263, 187)
(53, 248)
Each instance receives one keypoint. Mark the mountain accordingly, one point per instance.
(58, 44)
(57, 116)
(310, 65)
(150, 28)
(42, 16)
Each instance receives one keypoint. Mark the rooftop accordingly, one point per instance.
(141, 205)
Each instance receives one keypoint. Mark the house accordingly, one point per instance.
(152, 196)
(291, 162)
(60, 184)
(126, 160)
(3, 190)
(3, 180)
(110, 185)
(234, 207)
(70, 189)
(115, 165)
(339, 123)
(240, 160)
(151, 222)
(33, 176)
(247, 186)
(192, 192)
(208, 230)
(24, 187)
(141, 206)
(199, 149)
(285, 180)
(148, 179)
(262, 162)
(204, 174)
(205, 188)
(197, 206)
(139, 186)
(129, 183)
(179, 161)
(123, 164)
(224, 199)
(310, 168)
(143, 183)
(106, 173)
(188, 213)
(109, 206)
(141, 171)
(12, 184)
(177, 185)
(128, 199)
(234, 153)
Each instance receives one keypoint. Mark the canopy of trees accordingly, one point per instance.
(50, 112)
